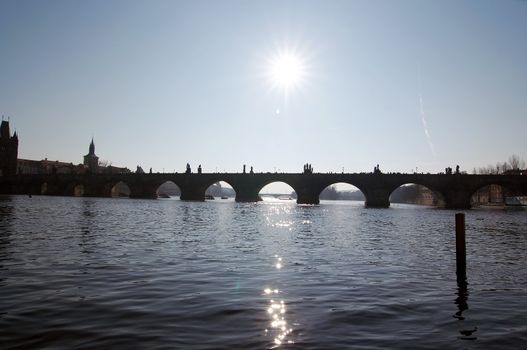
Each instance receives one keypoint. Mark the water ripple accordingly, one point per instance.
(85, 273)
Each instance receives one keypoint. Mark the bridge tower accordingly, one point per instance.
(8, 150)
(91, 160)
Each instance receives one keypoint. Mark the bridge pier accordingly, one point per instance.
(51, 188)
(6, 188)
(247, 198)
(377, 198)
(93, 189)
(307, 197)
(248, 191)
(247, 194)
(457, 199)
(143, 195)
(192, 194)
(142, 191)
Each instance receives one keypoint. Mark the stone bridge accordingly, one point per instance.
(453, 190)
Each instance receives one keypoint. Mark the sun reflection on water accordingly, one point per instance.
(276, 309)
(276, 215)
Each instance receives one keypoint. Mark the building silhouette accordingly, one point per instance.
(8, 150)
(10, 164)
(91, 161)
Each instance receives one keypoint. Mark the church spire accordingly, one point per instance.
(91, 161)
(92, 148)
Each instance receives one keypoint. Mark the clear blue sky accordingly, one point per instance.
(163, 83)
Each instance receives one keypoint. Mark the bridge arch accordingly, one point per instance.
(417, 193)
(341, 191)
(54, 188)
(44, 188)
(78, 190)
(277, 190)
(168, 189)
(495, 193)
(119, 189)
(75, 189)
(195, 189)
(220, 189)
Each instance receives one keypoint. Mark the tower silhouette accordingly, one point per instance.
(8, 150)
(91, 160)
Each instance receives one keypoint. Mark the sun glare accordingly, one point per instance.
(287, 71)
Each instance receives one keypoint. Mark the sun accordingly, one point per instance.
(286, 71)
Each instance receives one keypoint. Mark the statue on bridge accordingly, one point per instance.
(188, 171)
(377, 170)
(252, 172)
(199, 169)
(308, 169)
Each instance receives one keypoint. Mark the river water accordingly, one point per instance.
(90, 273)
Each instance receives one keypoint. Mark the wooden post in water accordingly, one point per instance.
(461, 254)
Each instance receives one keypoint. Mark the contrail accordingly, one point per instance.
(425, 126)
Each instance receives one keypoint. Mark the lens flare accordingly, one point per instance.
(287, 71)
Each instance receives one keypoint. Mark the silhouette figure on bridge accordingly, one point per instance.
(244, 168)
(199, 169)
(308, 169)
(252, 172)
(377, 170)
(188, 171)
